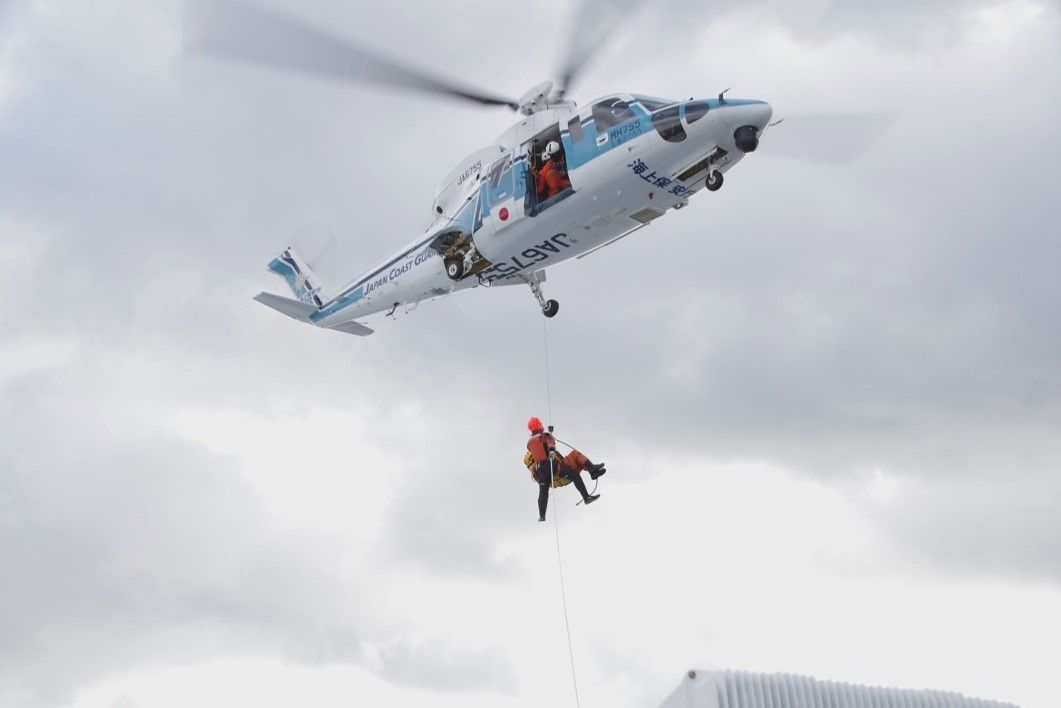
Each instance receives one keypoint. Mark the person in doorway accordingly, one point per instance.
(550, 468)
(552, 179)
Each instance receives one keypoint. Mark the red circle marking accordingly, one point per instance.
(503, 214)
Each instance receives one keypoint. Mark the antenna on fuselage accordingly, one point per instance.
(722, 96)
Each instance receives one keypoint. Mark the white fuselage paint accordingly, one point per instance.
(607, 191)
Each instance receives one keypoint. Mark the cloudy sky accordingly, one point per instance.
(829, 397)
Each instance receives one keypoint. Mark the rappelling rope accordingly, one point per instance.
(556, 525)
(595, 481)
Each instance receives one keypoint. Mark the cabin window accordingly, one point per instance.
(611, 112)
(695, 110)
(497, 170)
(669, 125)
(574, 128)
(499, 180)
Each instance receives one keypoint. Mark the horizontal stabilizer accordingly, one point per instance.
(352, 327)
(292, 308)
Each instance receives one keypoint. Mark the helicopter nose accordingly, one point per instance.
(760, 115)
(751, 113)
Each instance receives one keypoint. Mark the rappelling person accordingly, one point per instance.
(550, 469)
(552, 179)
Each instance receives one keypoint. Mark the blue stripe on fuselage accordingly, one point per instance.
(469, 219)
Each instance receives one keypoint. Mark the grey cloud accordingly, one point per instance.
(133, 547)
(453, 511)
(988, 526)
(909, 25)
(123, 545)
(897, 314)
(438, 667)
(842, 348)
(917, 340)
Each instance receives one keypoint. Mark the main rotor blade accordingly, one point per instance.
(828, 138)
(247, 33)
(592, 25)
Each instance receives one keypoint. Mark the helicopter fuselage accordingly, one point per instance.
(629, 160)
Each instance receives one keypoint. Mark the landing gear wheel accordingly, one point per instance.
(454, 268)
(549, 307)
(714, 181)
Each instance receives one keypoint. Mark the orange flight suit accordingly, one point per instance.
(551, 181)
(540, 444)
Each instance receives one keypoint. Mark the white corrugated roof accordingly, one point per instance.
(739, 689)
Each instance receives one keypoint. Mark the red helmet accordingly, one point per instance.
(535, 426)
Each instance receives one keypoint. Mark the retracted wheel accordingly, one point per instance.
(714, 181)
(455, 268)
(551, 308)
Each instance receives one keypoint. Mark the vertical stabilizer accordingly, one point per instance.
(312, 254)
(300, 277)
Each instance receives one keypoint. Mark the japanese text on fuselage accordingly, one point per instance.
(640, 169)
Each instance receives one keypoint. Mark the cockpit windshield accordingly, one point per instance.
(610, 112)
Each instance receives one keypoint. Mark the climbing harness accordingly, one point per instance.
(564, 480)
(532, 466)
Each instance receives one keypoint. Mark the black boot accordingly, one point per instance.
(581, 487)
(543, 500)
(595, 471)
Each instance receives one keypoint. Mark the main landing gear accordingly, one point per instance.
(549, 307)
(455, 268)
(713, 181)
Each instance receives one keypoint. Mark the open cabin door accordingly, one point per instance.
(544, 191)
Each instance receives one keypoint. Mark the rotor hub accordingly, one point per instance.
(536, 99)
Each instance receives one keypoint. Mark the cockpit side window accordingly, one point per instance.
(668, 124)
(695, 110)
(611, 112)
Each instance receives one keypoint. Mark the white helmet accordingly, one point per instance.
(551, 149)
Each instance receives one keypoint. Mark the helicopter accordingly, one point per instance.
(623, 161)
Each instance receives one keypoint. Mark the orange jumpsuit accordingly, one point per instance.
(540, 445)
(551, 181)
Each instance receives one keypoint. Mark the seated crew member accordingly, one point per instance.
(552, 179)
(548, 463)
